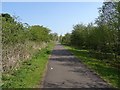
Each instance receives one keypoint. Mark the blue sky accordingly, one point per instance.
(58, 16)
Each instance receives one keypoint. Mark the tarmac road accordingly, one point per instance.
(66, 71)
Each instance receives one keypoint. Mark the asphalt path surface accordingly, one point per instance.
(66, 71)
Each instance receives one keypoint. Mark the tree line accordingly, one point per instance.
(21, 41)
(17, 32)
(101, 37)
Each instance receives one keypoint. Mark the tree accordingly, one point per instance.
(66, 39)
(109, 19)
(12, 31)
(39, 33)
(77, 36)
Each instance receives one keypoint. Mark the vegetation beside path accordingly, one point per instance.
(107, 72)
(30, 73)
(98, 43)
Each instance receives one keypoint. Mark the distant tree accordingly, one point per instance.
(39, 33)
(66, 39)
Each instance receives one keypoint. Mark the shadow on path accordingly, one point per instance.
(68, 72)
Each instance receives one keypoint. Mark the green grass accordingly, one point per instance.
(110, 74)
(30, 73)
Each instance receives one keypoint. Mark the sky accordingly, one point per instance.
(59, 17)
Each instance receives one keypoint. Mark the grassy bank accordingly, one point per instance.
(110, 74)
(30, 72)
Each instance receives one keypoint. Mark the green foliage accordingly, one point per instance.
(77, 36)
(109, 20)
(15, 32)
(103, 69)
(104, 37)
(101, 43)
(39, 33)
(30, 74)
(54, 36)
(12, 31)
(66, 39)
(21, 41)
(7, 17)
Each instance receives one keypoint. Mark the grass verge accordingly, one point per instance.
(108, 73)
(30, 73)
